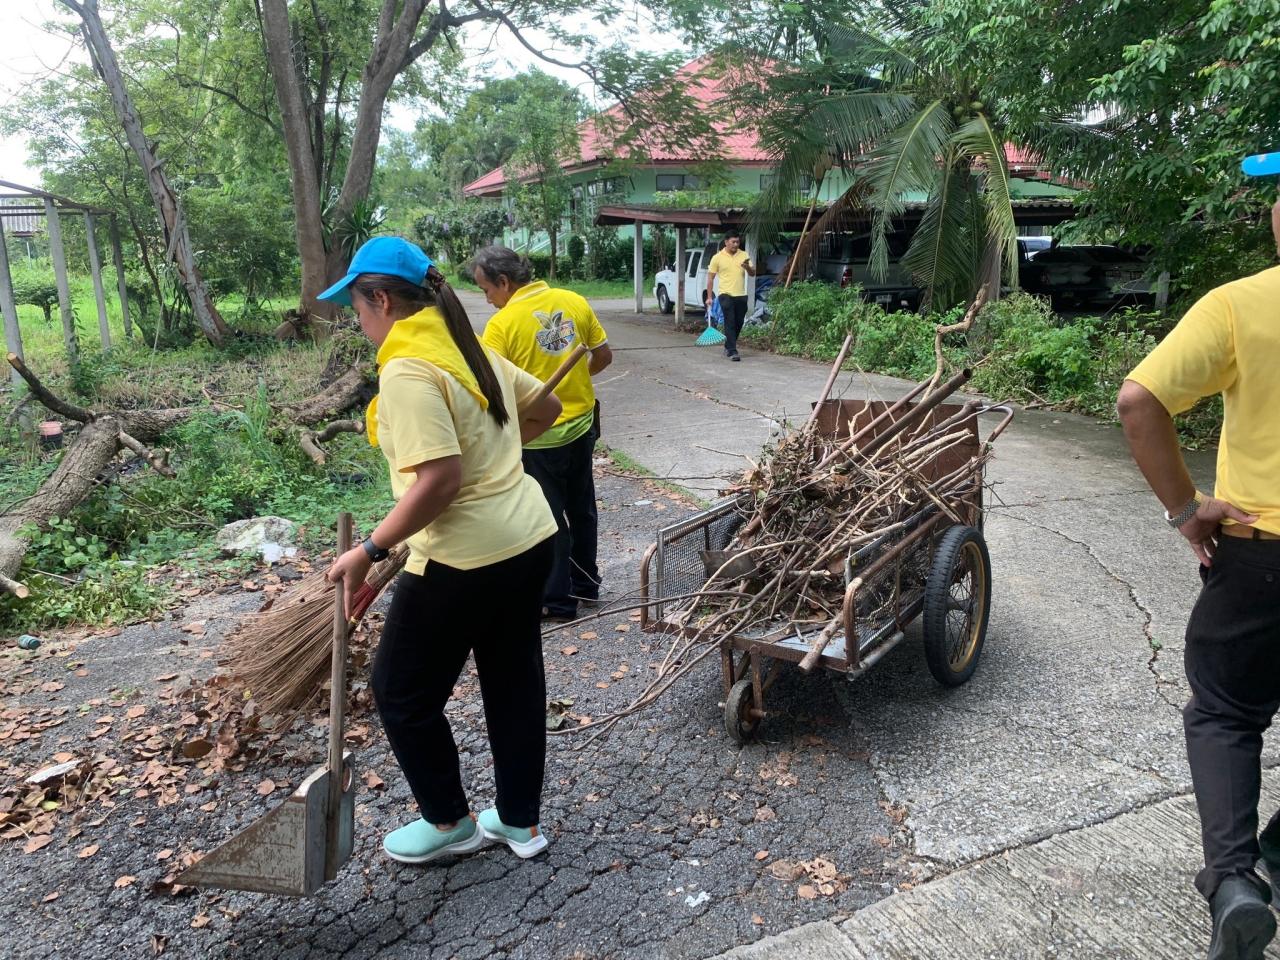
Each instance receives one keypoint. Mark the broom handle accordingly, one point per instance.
(337, 704)
(562, 371)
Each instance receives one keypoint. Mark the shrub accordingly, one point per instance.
(899, 344)
(114, 592)
(808, 317)
(37, 288)
(460, 229)
(576, 250)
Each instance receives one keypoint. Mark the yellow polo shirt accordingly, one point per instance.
(425, 414)
(1229, 343)
(733, 277)
(536, 330)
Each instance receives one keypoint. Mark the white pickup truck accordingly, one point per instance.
(695, 280)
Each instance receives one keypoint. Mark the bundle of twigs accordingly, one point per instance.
(280, 654)
(813, 503)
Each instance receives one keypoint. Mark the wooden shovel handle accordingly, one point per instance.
(562, 371)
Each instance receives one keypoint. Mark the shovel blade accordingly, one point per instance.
(283, 851)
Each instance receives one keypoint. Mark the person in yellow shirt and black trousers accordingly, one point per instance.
(1228, 343)
(450, 418)
(536, 327)
(732, 265)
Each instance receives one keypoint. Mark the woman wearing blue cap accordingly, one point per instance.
(451, 418)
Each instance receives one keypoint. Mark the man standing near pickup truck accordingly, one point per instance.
(732, 265)
(1228, 343)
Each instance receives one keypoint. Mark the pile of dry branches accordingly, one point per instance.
(818, 501)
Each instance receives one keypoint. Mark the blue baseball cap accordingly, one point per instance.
(389, 255)
(1261, 164)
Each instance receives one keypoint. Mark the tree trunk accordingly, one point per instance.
(390, 56)
(307, 209)
(103, 434)
(175, 227)
(551, 235)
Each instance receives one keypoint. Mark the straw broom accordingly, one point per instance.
(280, 654)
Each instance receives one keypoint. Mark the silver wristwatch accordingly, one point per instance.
(1176, 520)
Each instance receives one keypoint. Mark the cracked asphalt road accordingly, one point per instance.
(1073, 716)
(658, 832)
(1071, 719)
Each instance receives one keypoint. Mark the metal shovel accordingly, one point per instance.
(300, 845)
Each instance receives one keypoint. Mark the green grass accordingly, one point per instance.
(110, 558)
(591, 289)
(628, 464)
(605, 289)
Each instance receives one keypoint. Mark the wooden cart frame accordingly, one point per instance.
(935, 562)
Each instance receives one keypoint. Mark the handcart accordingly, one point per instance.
(934, 563)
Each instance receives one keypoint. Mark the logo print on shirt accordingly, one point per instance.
(556, 333)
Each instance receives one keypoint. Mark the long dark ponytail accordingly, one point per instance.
(438, 293)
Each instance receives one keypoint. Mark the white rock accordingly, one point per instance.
(249, 536)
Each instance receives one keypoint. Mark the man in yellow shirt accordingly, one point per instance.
(732, 265)
(535, 327)
(1228, 343)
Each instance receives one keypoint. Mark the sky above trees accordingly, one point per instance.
(32, 52)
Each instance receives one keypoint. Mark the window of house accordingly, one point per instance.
(597, 188)
(677, 181)
(805, 186)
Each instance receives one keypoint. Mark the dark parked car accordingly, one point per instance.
(1080, 275)
(844, 258)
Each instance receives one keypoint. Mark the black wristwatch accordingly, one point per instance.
(375, 552)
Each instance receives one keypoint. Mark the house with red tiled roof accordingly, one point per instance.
(609, 172)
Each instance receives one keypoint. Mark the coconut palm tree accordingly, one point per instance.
(901, 112)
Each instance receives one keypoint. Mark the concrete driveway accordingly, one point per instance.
(1073, 716)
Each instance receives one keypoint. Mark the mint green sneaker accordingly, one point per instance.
(420, 841)
(525, 841)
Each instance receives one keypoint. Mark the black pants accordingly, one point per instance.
(735, 314)
(435, 620)
(564, 473)
(1233, 667)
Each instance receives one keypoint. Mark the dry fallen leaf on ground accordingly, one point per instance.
(125, 881)
(37, 843)
(199, 920)
(569, 651)
(88, 851)
(266, 787)
(589, 635)
(786, 870)
(807, 892)
(762, 855)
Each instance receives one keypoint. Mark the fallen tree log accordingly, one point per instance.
(102, 435)
(105, 432)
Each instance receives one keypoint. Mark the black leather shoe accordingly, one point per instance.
(1242, 921)
(1273, 878)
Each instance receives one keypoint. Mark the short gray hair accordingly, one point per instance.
(496, 261)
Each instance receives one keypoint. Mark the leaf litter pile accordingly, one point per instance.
(195, 741)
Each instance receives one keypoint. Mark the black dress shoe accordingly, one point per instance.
(1242, 921)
